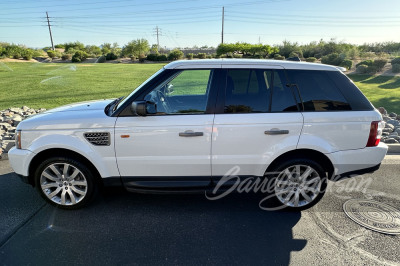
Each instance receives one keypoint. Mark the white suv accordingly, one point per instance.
(193, 121)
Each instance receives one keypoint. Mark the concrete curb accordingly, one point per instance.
(394, 149)
(4, 156)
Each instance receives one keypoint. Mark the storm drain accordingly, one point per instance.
(374, 215)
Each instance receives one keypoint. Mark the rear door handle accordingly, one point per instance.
(276, 132)
(190, 133)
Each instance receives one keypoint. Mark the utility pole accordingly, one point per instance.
(51, 36)
(158, 32)
(222, 33)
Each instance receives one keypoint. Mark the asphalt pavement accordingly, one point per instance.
(127, 228)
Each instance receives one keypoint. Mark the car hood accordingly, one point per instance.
(81, 106)
(83, 115)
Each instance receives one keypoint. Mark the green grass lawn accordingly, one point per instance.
(380, 90)
(49, 85)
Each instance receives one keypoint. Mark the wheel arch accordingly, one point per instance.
(60, 152)
(317, 156)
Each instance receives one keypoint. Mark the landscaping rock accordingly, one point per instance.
(393, 115)
(391, 141)
(9, 120)
(393, 122)
(382, 110)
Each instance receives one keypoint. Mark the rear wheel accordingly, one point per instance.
(65, 182)
(299, 183)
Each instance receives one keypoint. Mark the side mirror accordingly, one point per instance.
(143, 108)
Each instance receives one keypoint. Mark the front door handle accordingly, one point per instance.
(276, 132)
(190, 133)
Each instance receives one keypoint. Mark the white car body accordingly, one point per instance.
(150, 146)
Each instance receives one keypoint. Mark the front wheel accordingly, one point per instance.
(299, 183)
(65, 182)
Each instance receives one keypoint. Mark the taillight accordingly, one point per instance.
(375, 133)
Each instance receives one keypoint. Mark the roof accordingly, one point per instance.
(248, 63)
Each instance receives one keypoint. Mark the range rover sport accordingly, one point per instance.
(190, 123)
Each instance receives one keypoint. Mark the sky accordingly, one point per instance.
(188, 23)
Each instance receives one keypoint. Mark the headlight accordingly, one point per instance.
(18, 139)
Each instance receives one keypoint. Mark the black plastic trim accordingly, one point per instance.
(361, 171)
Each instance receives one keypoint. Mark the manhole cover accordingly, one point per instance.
(373, 215)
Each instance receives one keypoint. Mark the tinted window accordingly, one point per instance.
(353, 95)
(245, 93)
(184, 93)
(282, 95)
(318, 91)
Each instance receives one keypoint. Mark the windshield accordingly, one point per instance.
(138, 88)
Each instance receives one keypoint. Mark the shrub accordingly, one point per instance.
(79, 56)
(101, 59)
(27, 54)
(237, 56)
(189, 56)
(142, 57)
(66, 57)
(372, 69)
(133, 58)
(332, 59)
(347, 63)
(396, 68)
(365, 62)
(279, 57)
(380, 64)
(362, 69)
(396, 61)
(111, 56)
(152, 57)
(162, 57)
(201, 55)
(311, 59)
(175, 55)
(51, 54)
(209, 56)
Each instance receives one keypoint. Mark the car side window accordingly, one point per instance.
(282, 95)
(318, 91)
(246, 92)
(183, 93)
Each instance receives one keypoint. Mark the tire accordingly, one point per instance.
(65, 182)
(299, 183)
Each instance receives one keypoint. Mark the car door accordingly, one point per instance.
(258, 119)
(174, 144)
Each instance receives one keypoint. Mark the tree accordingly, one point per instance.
(93, 50)
(154, 49)
(105, 48)
(175, 55)
(136, 48)
(74, 46)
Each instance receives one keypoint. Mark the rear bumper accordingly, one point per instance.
(360, 160)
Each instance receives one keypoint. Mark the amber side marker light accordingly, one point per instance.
(18, 139)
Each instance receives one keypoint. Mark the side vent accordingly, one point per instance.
(98, 138)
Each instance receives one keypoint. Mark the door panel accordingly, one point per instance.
(260, 121)
(240, 140)
(173, 143)
(154, 147)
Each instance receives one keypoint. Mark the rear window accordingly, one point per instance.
(318, 91)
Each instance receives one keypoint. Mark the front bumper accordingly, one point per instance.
(19, 160)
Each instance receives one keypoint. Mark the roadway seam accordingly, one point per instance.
(19, 227)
